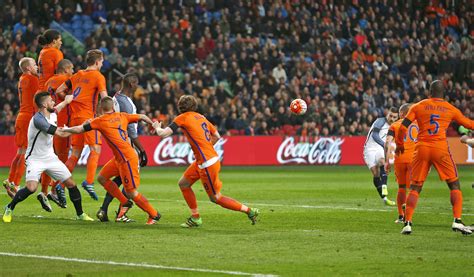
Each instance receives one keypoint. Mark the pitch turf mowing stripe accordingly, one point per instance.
(57, 258)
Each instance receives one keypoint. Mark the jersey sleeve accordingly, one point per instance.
(461, 119)
(101, 82)
(42, 124)
(93, 125)
(391, 130)
(378, 124)
(411, 115)
(212, 128)
(132, 118)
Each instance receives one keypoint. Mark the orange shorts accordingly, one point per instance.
(403, 173)
(209, 177)
(21, 130)
(128, 172)
(88, 138)
(61, 147)
(441, 159)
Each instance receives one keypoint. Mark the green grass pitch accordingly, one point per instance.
(314, 221)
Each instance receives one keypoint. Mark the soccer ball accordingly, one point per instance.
(298, 106)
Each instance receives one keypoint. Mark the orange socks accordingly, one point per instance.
(190, 198)
(12, 175)
(143, 203)
(113, 189)
(401, 199)
(20, 169)
(411, 204)
(71, 163)
(92, 162)
(45, 181)
(230, 203)
(456, 201)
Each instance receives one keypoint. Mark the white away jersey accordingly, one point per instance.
(40, 137)
(377, 133)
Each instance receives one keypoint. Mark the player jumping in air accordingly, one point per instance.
(202, 135)
(433, 116)
(374, 152)
(403, 161)
(40, 156)
(27, 87)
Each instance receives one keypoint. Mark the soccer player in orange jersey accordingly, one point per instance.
(49, 56)
(113, 127)
(86, 85)
(403, 161)
(27, 87)
(433, 116)
(201, 135)
(64, 71)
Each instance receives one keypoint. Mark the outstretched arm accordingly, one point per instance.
(75, 130)
(166, 132)
(62, 105)
(469, 141)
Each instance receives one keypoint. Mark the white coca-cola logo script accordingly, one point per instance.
(168, 151)
(321, 151)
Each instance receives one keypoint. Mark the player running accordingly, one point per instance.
(433, 116)
(86, 85)
(202, 135)
(403, 161)
(64, 71)
(113, 126)
(374, 152)
(123, 103)
(27, 87)
(41, 158)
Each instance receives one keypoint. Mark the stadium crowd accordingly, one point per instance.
(246, 60)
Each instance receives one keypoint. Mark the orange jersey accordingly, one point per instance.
(433, 116)
(48, 60)
(27, 88)
(85, 86)
(409, 140)
(198, 131)
(51, 85)
(113, 127)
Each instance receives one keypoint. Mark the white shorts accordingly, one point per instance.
(52, 166)
(372, 156)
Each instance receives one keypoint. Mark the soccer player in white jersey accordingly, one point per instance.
(40, 156)
(374, 154)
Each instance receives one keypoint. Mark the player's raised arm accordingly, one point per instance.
(63, 88)
(62, 105)
(462, 120)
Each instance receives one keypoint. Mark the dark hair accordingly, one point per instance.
(63, 64)
(393, 110)
(187, 103)
(48, 36)
(93, 55)
(437, 89)
(40, 97)
(128, 78)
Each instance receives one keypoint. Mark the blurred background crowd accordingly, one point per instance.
(246, 60)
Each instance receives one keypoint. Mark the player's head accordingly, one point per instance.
(392, 115)
(95, 57)
(65, 66)
(50, 37)
(28, 65)
(402, 112)
(187, 103)
(130, 82)
(437, 89)
(107, 104)
(43, 100)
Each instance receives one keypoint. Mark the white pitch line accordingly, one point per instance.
(144, 265)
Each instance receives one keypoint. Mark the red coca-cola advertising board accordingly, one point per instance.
(259, 150)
